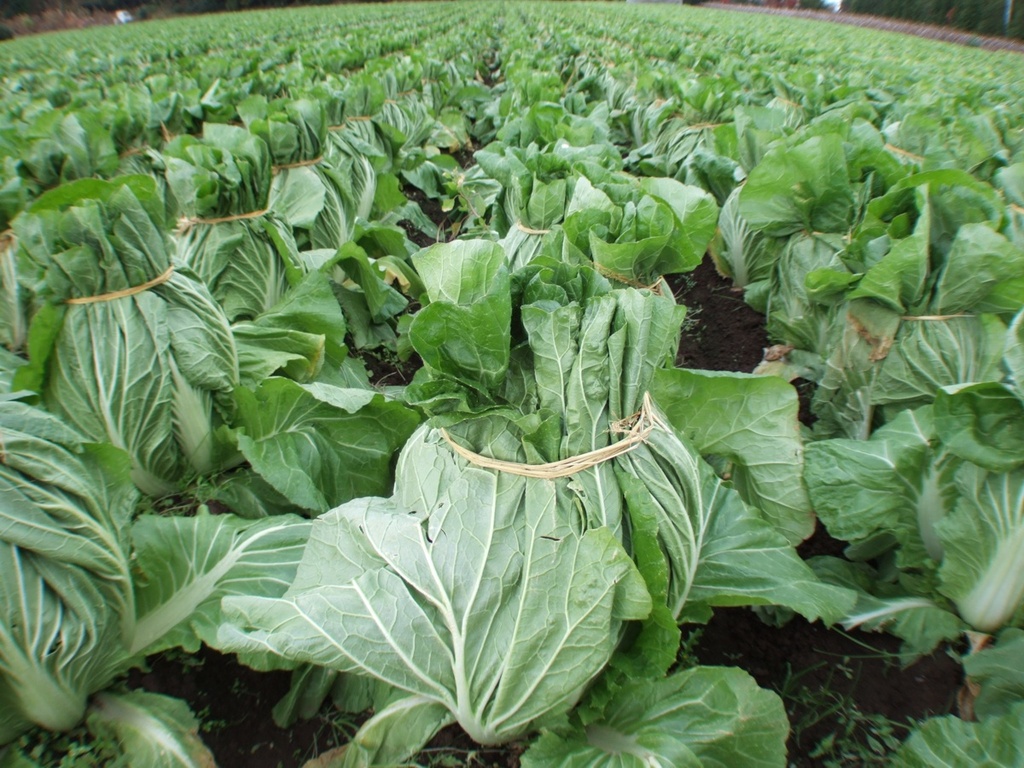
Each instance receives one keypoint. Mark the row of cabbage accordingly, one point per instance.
(612, 151)
(882, 238)
(175, 302)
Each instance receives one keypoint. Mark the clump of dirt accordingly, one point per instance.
(722, 332)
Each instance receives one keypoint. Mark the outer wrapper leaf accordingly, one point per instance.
(921, 621)
(983, 547)
(795, 315)
(168, 357)
(186, 565)
(697, 213)
(67, 604)
(719, 551)
(749, 425)
(464, 331)
(391, 736)
(950, 528)
(998, 672)
(248, 265)
(705, 716)
(1013, 354)
(150, 731)
(320, 445)
(949, 742)
(882, 363)
(740, 252)
(806, 187)
(894, 485)
(13, 309)
(301, 336)
(983, 424)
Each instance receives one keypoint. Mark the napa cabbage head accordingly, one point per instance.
(160, 383)
(933, 505)
(88, 592)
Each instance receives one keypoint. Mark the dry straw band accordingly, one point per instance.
(1017, 208)
(978, 641)
(527, 230)
(356, 119)
(185, 223)
(898, 151)
(637, 428)
(935, 317)
(125, 292)
(299, 164)
(611, 274)
(7, 240)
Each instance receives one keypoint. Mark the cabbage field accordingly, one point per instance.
(510, 384)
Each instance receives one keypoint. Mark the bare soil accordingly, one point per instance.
(721, 331)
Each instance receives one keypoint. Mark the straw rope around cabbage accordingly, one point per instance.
(636, 427)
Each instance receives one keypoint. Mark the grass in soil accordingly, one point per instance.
(849, 698)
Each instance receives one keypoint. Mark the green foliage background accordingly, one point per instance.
(982, 16)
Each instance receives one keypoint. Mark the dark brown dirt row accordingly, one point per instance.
(721, 332)
(234, 705)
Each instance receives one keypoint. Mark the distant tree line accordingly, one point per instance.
(985, 17)
(12, 8)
